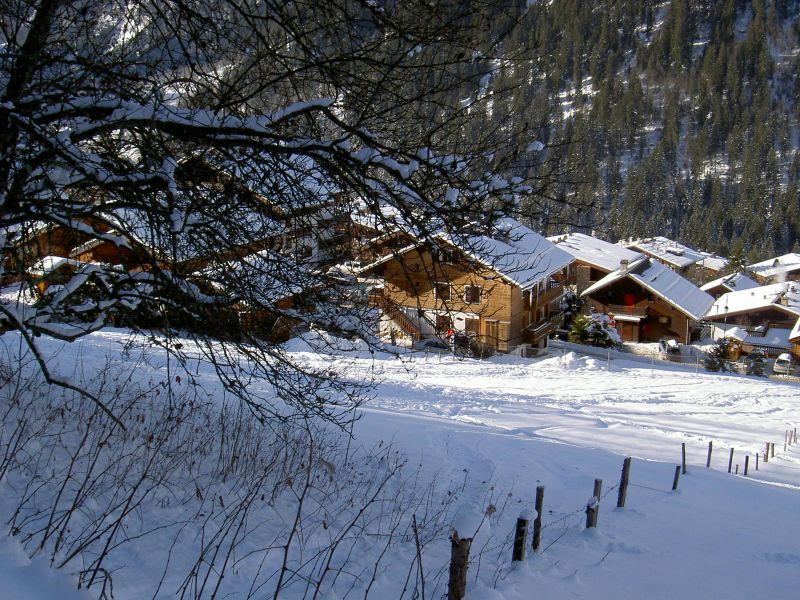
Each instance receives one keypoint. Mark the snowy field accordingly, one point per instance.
(485, 434)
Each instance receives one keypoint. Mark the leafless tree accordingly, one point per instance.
(212, 149)
(208, 140)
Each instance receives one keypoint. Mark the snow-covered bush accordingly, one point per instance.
(716, 356)
(594, 330)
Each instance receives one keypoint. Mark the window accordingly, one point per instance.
(526, 300)
(443, 256)
(442, 291)
(472, 294)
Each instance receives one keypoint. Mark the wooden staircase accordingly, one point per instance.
(392, 310)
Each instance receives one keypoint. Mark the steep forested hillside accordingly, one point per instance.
(683, 114)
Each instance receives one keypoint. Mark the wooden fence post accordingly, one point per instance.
(772, 450)
(766, 454)
(459, 561)
(708, 460)
(730, 461)
(677, 476)
(756, 461)
(520, 539)
(683, 457)
(537, 522)
(746, 464)
(593, 506)
(623, 482)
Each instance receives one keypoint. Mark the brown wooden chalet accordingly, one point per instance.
(503, 290)
(594, 258)
(649, 301)
(777, 270)
(761, 317)
(695, 265)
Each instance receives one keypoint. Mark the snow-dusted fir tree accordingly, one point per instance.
(594, 330)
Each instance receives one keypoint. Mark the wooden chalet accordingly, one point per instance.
(776, 270)
(504, 290)
(594, 258)
(695, 265)
(729, 283)
(761, 317)
(649, 301)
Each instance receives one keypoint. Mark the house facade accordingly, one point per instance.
(776, 270)
(761, 317)
(649, 302)
(503, 291)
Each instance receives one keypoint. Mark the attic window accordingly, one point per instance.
(443, 256)
(442, 291)
(675, 251)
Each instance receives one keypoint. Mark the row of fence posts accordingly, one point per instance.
(459, 554)
(789, 438)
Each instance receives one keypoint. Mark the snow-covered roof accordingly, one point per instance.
(516, 252)
(595, 252)
(265, 277)
(664, 283)
(783, 296)
(732, 282)
(794, 335)
(774, 337)
(48, 264)
(669, 251)
(713, 262)
(776, 266)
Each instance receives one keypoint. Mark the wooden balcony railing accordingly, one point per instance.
(555, 290)
(630, 311)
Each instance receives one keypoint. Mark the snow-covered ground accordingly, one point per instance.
(489, 432)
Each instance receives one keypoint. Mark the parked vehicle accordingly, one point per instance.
(783, 364)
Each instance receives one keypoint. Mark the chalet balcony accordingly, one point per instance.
(536, 331)
(634, 312)
(555, 290)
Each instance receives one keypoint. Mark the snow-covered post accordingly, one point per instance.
(608, 359)
(520, 536)
(708, 460)
(593, 506)
(677, 477)
(537, 522)
(730, 461)
(623, 482)
(459, 561)
(683, 457)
